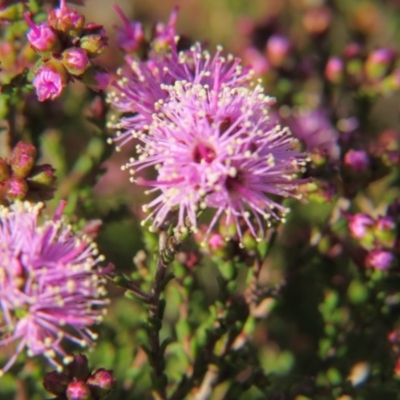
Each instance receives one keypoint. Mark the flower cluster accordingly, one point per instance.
(378, 236)
(209, 135)
(67, 47)
(20, 178)
(51, 285)
(78, 382)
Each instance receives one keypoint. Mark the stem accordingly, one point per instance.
(157, 359)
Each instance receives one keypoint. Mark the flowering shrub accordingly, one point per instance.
(247, 205)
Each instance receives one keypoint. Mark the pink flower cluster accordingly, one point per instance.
(377, 236)
(67, 48)
(51, 285)
(208, 133)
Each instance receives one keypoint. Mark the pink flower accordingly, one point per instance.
(42, 37)
(142, 84)
(215, 147)
(50, 283)
(48, 83)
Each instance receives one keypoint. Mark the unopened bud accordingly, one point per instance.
(78, 368)
(75, 60)
(379, 259)
(50, 80)
(16, 189)
(12, 12)
(56, 383)
(78, 390)
(334, 70)
(316, 21)
(356, 160)
(22, 159)
(41, 37)
(67, 21)
(42, 175)
(101, 382)
(277, 48)
(94, 45)
(378, 63)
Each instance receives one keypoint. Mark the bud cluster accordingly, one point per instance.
(375, 71)
(67, 46)
(378, 236)
(78, 382)
(20, 178)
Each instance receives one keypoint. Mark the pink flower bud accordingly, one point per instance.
(22, 159)
(101, 382)
(379, 259)
(359, 224)
(378, 63)
(75, 60)
(66, 20)
(16, 189)
(317, 20)
(356, 160)
(42, 37)
(48, 83)
(78, 368)
(78, 390)
(277, 48)
(56, 382)
(334, 70)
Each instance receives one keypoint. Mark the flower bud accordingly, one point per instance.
(101, 382)
(41, 37)
(78, 390)
(22, 159)
(67, 21)
(334, 70)
(379, 259)
(16, 189)
(42, 175)
(360, 226)
(378, 63)
(75, 60)
(56, 382)
(4, 171)
(385, 231)
(316, 21)
(78, 368)
(96, 78)
(94, 45)
(356, 160)
(11, 12)
(277, 49)
(49, 81)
